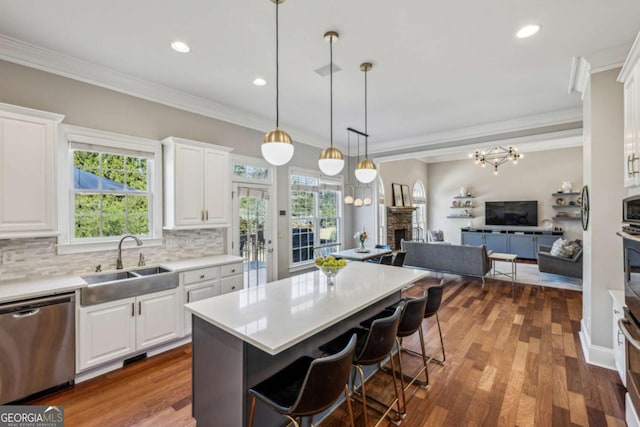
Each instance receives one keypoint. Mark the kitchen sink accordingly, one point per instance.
(117, 285)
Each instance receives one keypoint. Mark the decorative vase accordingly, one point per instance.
(362, 247)
(463, 192)
(566, 186)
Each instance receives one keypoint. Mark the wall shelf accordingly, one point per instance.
(573, 193)
(459, 216)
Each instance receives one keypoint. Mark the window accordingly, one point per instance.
(419, 218)
(249, 172)
(315, 214)
(110, 194)
(109, 187)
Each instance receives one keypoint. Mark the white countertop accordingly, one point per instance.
(278, 315)
(210, 261)
(13, 290)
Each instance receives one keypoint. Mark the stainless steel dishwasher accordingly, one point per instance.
(37, 345)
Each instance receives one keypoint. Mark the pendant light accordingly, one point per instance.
(331, 159)
(366, 170)
(277, 148)
(348, 198)
(357, 201)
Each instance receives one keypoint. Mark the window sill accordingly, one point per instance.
(83, 247)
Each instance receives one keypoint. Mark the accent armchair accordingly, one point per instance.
(548, 263)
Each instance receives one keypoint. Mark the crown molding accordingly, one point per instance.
(579, 75)
(23, 53)
(632, 59)
(484, 130)
(608, 59)
(16, 109)
(525, 144)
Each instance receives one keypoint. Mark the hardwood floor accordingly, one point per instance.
(512, 359)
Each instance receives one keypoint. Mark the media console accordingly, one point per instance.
(523, 243)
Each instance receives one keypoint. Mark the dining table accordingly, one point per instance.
(358, 255)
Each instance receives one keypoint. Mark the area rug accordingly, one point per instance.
(529, 274)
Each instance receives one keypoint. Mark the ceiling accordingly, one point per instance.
(439, 67)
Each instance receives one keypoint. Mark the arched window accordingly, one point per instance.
(419, 219)
(382, 214)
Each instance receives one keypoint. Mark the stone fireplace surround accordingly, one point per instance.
(398, 219)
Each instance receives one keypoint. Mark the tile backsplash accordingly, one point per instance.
(37, 258)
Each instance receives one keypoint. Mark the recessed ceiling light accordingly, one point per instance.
(180, 47)
(259, 81)
(528, 31)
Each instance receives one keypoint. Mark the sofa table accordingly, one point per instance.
(498, 256)
(243, 337)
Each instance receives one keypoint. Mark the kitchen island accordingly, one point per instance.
(241, 338)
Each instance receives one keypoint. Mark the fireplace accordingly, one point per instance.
(399, 235)
(399, 225)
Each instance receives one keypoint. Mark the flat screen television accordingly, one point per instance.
(523, 213)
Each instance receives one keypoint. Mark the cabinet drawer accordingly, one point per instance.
(199, 275)
(231, 284)
(231, 269)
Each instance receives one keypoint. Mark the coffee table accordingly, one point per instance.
(498, 256)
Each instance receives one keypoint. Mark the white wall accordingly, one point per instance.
(535, 177)
(603, 173)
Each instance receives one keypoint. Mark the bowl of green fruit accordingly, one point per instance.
(330, 266)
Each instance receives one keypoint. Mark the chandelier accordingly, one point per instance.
(495, 156)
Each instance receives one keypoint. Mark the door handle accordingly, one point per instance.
(623, 328)
(233, 271)
(270, 251)
(133, 309)
(26, 314)
(188, 297)
(207, 214)
(139, 308)
(202, 216)
(629, 172)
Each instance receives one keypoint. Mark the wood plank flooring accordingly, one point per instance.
(513, 359)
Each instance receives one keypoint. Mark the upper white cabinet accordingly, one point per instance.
(27, 185)
(197, 184)
(630, 77)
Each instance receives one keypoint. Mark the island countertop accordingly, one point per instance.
(278, 315)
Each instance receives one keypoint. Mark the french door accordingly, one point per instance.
(252, 232)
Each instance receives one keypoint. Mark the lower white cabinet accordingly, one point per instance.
(209, 282)
(113, 330)
(618, 338)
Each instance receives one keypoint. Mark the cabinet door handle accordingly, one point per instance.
(188, 297)
(616, 311)
(233, 271)
(207, 214)
(139, 308)
(202, 216)
(629, 173)
(233, 287)
(202, 276)
(133, 309)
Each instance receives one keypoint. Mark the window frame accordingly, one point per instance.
(338, 181)
(94, 140)
(423, 212)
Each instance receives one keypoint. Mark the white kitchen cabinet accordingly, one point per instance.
(630, 77)
(106, 332)
(618, 338)
(197, 184)
(27, 184)
(158, 319)
(207, 282)
(116, 329)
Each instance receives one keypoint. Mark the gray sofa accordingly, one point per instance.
(456, 259)
(548, 263)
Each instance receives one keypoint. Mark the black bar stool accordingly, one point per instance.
(434, 299)
(373, 346)
(410, 323)
(386, 259)
(308, 386)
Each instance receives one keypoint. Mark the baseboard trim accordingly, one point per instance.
(118, 363)
(594, 354)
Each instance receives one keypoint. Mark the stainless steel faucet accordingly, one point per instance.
(119, 259)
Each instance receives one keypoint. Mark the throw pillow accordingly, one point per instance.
(436, 235)
(561, 248)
